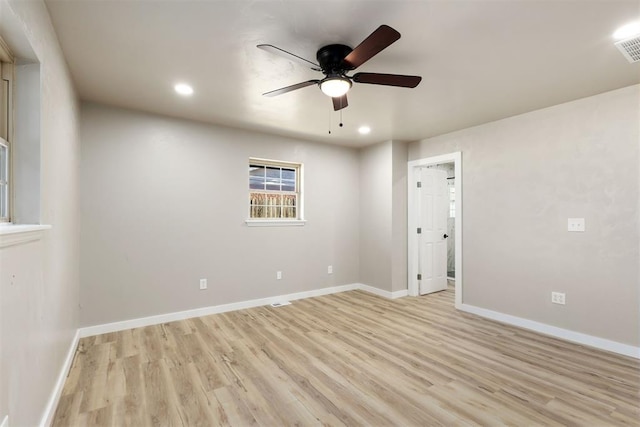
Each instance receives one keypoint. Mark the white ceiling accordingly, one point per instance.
(481, 60)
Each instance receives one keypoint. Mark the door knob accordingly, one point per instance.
(445, 236)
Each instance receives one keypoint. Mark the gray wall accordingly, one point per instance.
(383, 221)
(399, 151)
(26, 149)
(522, 178)
(39, 281)
(163, 205)
(375, 215)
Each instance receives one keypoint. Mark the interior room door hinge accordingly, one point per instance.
(419, 231)
(419, 184)
(419, 276)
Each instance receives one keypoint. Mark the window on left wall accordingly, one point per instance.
(275, 192)
(6, 124)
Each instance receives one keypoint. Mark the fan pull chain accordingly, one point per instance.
(341, 124)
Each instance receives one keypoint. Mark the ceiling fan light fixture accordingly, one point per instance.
(335, 86)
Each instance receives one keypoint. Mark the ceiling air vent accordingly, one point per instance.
(630, 48)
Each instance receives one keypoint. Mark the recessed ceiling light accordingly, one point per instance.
(627, 31)
(364, 130)
(183, 89)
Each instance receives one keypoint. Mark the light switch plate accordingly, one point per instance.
(575, 224)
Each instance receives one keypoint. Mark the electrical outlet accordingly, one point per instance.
(330, 269)
(575, 224)
(558, 298)
(278, 275)
(203, 284)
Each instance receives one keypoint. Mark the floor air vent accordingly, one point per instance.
(630, 48)
(280, 304)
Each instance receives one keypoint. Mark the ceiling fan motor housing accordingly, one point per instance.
(330, 58)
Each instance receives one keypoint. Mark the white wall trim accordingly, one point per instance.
(564, 334)
(205, 311)
(52, 404)
(399, 294)
(17, 234)
(275, 222)
(412, 220)
(5, 421)
(382, 292)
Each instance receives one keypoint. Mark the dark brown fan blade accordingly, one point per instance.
(370, 47)
(290, 88)
(281, 52)
(387, 79)
(340, 102)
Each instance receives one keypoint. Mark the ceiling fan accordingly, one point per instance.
(335, 60)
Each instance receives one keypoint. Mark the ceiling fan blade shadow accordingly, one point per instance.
(387, 79)
(290, 88)
(283, 53)
(377, 41)
(340, 102)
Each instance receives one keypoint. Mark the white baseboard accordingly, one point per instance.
(52, 404)
(399, 294)
(577, 337)
(206, 311)
(565, 334)
(382, 292)
(5, 421)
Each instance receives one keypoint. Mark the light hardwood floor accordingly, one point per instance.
(345, 359)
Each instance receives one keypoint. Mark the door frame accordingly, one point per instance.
(412, 220)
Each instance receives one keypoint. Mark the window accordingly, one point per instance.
(6, 72)
(275, 190)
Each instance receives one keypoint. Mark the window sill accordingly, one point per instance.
(17, 234)
(274, 222)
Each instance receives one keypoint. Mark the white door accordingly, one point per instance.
(433, 213)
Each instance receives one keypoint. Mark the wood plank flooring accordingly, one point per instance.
(345, 359)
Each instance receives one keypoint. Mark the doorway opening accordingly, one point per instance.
(450, 230)
(435, 224)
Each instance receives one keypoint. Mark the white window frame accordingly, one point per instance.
(262, 222)
(6, 129)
